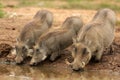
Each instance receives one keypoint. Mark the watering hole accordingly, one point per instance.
(107, 69)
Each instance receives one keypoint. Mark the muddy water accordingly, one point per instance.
(15, 72)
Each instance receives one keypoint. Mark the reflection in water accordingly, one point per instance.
(13, 72)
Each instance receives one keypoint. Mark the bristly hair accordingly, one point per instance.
(51, 34)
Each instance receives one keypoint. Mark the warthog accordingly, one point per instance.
(41, 22)
(52, 42)
(93, 38)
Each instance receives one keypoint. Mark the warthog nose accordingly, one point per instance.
(33, 63)
(75, 69)
(18, 61)
(81, 69)
(78, 69)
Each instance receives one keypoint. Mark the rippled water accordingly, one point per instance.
(18, 72)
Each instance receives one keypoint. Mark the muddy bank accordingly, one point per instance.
(107, 69)
(13, 72)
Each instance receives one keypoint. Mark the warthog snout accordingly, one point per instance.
(76, 66)
(19, 60)
(32, 63)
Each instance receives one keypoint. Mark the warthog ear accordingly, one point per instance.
(75, 40)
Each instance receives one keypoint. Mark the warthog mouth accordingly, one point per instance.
(71, 64)
(33, 63)
(19, 62)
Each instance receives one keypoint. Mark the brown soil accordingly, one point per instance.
(11, 26)
(4, 49)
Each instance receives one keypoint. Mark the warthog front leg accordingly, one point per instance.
(99, 55)
(54, 56)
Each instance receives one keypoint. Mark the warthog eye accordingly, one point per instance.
(85, 51)
(24, 49)
(37, 50)
(75, 49)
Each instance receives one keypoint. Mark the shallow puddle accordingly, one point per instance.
(22, 72)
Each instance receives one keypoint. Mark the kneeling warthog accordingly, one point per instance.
(41, 22)
(52, 42)
(93, 39)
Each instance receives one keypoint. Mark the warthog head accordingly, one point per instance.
(22, 51)
(81, 55)
(40, 54)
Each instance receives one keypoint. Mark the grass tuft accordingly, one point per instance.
(2, 13)
(118, 23)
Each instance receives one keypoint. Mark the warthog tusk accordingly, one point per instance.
(67, 62)
(83, 64)
(44, 57)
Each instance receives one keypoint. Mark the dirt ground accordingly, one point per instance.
(10, 28)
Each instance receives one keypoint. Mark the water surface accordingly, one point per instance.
(22, 72)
